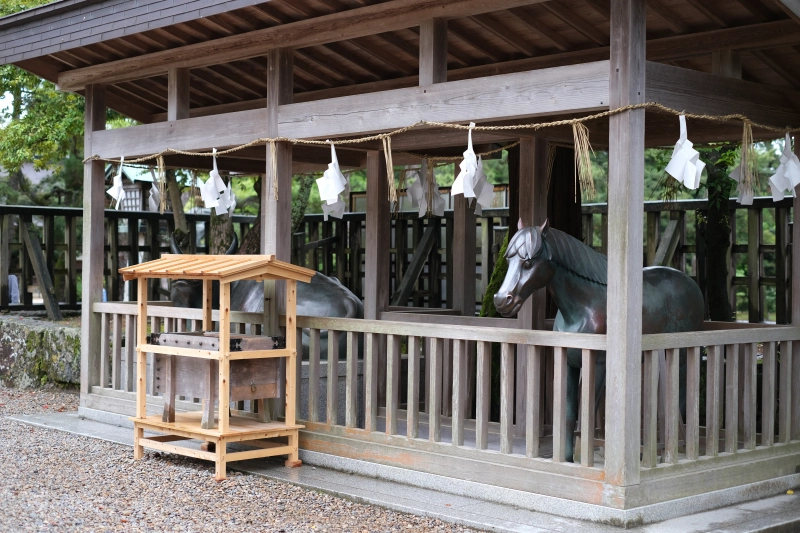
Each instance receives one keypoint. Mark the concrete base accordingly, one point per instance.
(485, 506)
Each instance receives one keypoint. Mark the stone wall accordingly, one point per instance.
(35, 352)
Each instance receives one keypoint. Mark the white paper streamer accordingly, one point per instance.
(155, 198)
(685, 165)
(333, 188)
(215, 194)
(482, 190)
(744, 197)
(416, 191)
(469, 167)
(787, 176)
(116, 191)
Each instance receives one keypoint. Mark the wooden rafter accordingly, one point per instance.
(576, 22)
(669, 18)
(776, 66)
(700, 5)
(532, 23)
(505, 33)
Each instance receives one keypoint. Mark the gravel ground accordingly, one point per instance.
(55, 481)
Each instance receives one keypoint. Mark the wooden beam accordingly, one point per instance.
(698, 92)
(727, 63)
(575, 88)
(340, 26)
(432, 52)
(93, 239)
(791, 8)
(625, 222)
(665, 14)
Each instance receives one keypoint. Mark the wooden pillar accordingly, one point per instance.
(5, 258)
(625, 222)
(276, 213)
(376, 267)
(177, 93)
(432, 52)
(93, 239)
(464, 247)
(796, 254)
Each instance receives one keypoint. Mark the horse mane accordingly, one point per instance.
(565, 250)
(575, 256)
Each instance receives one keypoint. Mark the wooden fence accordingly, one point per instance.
(760, 279)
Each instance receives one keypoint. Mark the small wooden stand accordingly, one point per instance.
(230, 428)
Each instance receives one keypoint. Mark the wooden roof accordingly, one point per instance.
(223, 268)
(66, 40)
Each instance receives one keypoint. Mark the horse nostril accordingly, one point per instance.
(508, 299)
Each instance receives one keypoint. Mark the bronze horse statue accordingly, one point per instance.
(576, 277)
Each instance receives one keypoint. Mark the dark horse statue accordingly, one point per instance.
(324, 297)
(576, 277)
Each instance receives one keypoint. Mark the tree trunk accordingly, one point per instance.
(717, 236)
(181, 226)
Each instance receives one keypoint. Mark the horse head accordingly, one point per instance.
(189, 292)
(529, 268)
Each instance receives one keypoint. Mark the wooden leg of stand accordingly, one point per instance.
(219, 473)
(138, 449)
(294, 458)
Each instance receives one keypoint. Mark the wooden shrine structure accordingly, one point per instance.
(200, 75)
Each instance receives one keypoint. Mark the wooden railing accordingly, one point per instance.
(420, 273)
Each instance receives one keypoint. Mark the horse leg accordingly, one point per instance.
(573, 375)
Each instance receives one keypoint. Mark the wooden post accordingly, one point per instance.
(376, 267)
(432, 52)
(141, 356)
(5, 258)
(625, 222)
(93, 240)
(43, 278)
(532, 200)
(177, 93)
(795, 260)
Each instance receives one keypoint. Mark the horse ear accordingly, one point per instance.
(520, 225)
(544, 227)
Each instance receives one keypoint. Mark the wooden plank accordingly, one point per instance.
(116, 351)
(432, 51)
(392, 383)
(5, 257)
(141, 359)
(293, 362)
(795, 260)
(313, 375)
(753, 264)
(560, 404)
(533, 409)
(575, 88)
(653, 219)
(768, 383)
(693, 403)
(672, 411)
(750, 397)
(332, 403)
(587, 407)
(795, 387)
(105, 345)
(731, 398)
(177, 93)
(376, 268)
(463, 249)
(650, 409)
(483, 395)
(786, 394)
(224, 364)
(667, 245)
(372, 341)
(722, 336)
(625, 223)
(459, 391)
(434, 408)
(781, 293)
(342, 25)
(414, 374)
(130, 351)
(351, 384)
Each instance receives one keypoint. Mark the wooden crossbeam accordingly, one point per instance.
(354, 23)
(668, 245)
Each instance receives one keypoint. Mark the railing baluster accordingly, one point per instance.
(332, 403)
(795, 386)
(412, 407)
(435, 389)
(371, 381)
(483, 395)
(559, 404)
(104, 346)
(650, 409)
(713, 399)
(447, 377)
(768, 395)
(313, 375)
(533, 423)
(392, 382)
(130, 351)
(587, 407)
(672, 410)
(459, 390)
(731, 398)
(750, 402)
(786, 394)
(693, 403)
(506, 398)
(116, 351)
(351, 385)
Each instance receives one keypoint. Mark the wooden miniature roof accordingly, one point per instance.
(224, 268)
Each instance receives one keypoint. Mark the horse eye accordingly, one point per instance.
(527, 263)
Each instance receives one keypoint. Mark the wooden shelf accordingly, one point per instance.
(240, 426)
